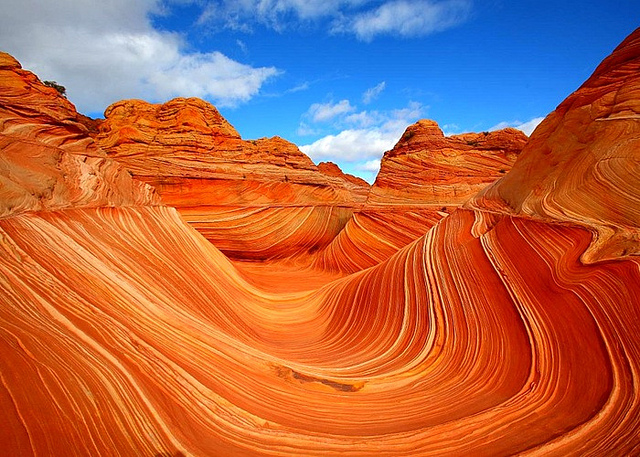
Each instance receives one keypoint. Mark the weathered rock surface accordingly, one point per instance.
(421, 180)
(48, 160)
(253, 199)
(123, 331)
(582, 165)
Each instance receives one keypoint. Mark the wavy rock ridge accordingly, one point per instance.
(124, 331)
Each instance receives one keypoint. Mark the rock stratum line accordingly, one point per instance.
(314, 315)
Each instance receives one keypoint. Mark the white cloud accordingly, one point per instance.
(527, 127)
(277, 14)
(451, 129)
(113, 53)
(370, 165)
(368, 170)
(407, 18)
(242, 45)
(299, 88)
(305, 130)
(363, 144)
(351, 145)
(373, 93)
(363, 119)
(322, 112)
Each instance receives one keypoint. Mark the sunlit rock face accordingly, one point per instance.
(582, 164)
(421, 180)
(123, 331)
(253, 199)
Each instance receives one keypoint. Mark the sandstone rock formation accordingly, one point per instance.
(253, 199)
(421, 180)
(582, 168)
(123, 331)
(48, 160)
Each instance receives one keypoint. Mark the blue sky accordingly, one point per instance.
(340, 78)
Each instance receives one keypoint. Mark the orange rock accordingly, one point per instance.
(48, 159)
(253, 199)
(427, 168)
(124, 331)
(581, 164)
(421, 180)
(331, 169)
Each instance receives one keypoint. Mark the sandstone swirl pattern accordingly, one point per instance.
(123, 331)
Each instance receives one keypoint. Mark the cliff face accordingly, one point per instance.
(421, 180)
(124, 331)
(250, 198)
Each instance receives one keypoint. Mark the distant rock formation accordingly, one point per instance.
(331, 169)
(421, 180)
(253, 199)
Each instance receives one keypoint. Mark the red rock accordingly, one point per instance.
(124, 331)
(421, 180)
(246, 197)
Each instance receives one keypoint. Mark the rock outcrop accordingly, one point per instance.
(253, 199)
(48, 159)
(421, 180)
(123, 331)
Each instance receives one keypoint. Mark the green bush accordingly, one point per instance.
(60, 88)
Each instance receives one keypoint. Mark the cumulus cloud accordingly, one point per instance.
(370, 166)
(363, 137)
(351, 145)
(365, 19)
(527, 127)
(373, 93)
(322, 112)
(114, 52)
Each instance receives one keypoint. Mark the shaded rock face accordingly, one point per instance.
(421, 180)
(247, 197)
(123, 331)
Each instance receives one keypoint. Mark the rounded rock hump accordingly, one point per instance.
(581, 165)
(428, 168)
(424, 134)
(179, 121)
